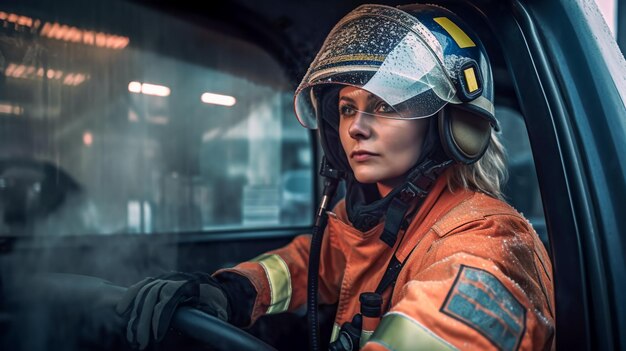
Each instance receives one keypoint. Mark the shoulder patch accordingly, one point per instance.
(481, 301)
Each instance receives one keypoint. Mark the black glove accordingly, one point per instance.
(150, 304)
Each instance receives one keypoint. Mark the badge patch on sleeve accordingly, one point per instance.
(481, 301)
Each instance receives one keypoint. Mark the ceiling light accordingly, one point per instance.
(218, 99)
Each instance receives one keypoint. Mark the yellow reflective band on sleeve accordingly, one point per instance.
(399, 332)
(459, 36)
(279, 278)
(470, 78)
(365, 337)
(335, 333)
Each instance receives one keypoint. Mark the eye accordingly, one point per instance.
(383, 107)
(346, 110)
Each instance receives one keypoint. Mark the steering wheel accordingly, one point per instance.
(94, 298)
(214, 332)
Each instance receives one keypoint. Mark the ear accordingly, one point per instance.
(464, 135)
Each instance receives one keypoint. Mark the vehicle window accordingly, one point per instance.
(110, 124)
(522, 188)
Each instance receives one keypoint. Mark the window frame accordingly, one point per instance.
(581, 221)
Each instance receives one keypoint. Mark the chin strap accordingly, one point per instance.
(418, 185)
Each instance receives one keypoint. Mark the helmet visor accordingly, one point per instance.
(386, 52)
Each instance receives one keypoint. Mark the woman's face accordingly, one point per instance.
(379, 150)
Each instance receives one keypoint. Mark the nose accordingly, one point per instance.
(360, 127)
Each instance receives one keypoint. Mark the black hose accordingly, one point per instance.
(330, 186)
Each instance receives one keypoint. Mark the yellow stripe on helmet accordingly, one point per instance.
(400, 332)
(459, 36)
(279, 279)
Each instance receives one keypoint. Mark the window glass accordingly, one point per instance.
(522, 188)
(115, 118)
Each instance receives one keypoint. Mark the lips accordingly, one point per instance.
(362, 155)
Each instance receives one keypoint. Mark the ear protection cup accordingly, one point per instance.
(464, 135)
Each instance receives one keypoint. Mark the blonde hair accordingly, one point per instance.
(487, 175)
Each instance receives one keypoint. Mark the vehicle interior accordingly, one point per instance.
(140, 137)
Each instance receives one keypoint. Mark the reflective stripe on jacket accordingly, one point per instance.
(476, 276)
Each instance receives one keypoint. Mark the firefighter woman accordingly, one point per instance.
(423, 253)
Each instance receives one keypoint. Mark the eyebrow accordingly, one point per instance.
(345, 98)
(370, 97)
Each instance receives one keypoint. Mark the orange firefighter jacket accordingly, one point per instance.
(476, 277)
